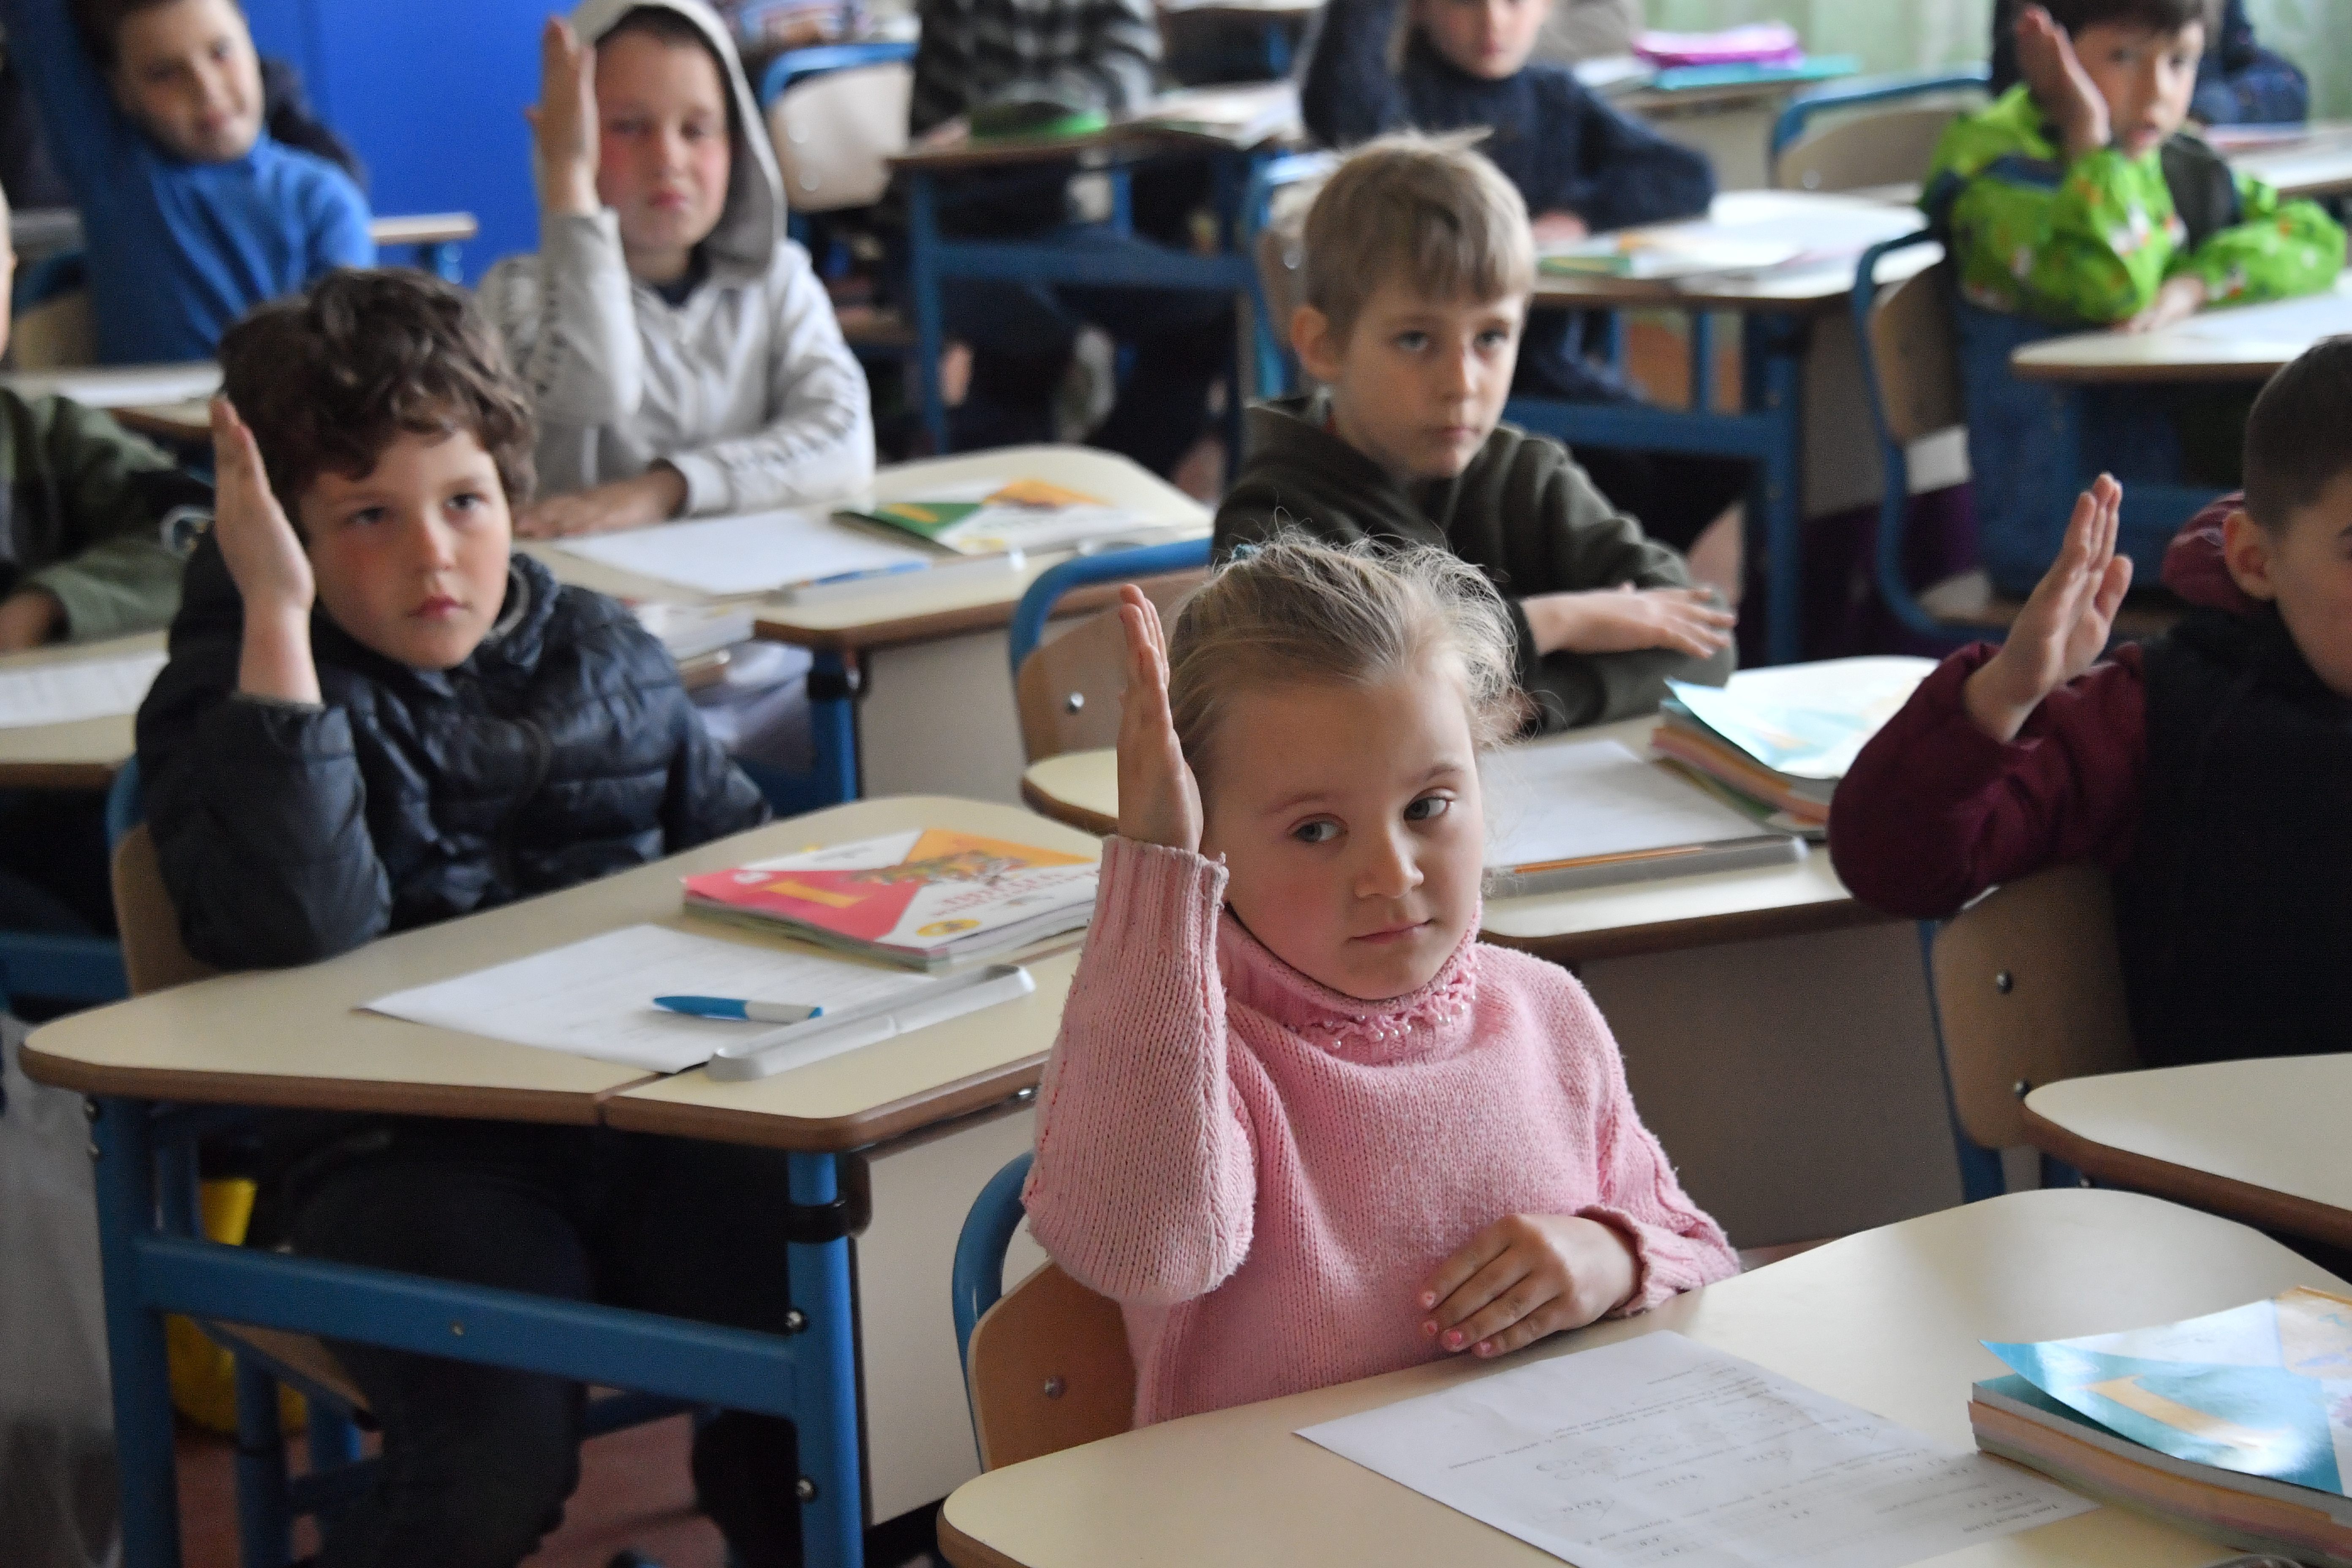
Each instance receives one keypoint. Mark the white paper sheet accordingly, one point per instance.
(755, 553)
(2296, 321)
(1562, 801)
(595, 998)
(75, 689)
(1659, 1449)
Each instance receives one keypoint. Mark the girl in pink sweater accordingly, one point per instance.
(1300, 1123)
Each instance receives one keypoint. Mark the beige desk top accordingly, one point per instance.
(2172, 355)
(1081, 788)
(425, 228)
(118, 385)
(2259, 1140)
(85, 754)
(1887, 1319)
(1809, 289)
(908, 609)
(294, 1037)
(2319, 165)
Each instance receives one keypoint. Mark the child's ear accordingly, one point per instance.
(1312, 339)
(2246, 550)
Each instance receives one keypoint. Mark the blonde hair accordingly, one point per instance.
(1430, 211)
(1296, 610)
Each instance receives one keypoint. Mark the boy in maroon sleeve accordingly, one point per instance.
(2209, 768)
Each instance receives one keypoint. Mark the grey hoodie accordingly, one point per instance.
(745, 389)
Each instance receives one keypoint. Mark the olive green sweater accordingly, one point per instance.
(82, 515)
(1522, 512)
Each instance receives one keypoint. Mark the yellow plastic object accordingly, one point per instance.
(204, 1376)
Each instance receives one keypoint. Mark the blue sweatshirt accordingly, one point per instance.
(177, 251)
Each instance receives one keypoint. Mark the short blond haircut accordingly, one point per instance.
(1428, 211)
(1297, 611)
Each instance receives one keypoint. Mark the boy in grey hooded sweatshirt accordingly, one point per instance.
(682, 355)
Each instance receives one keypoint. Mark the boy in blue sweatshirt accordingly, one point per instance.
(193, 213)
(1581, 167)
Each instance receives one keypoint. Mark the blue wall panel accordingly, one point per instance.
(431, 93)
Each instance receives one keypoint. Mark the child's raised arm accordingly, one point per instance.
(1145, 1184)
(2063, 627)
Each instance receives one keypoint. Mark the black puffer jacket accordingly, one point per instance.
(563, 750)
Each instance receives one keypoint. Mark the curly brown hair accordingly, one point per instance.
(329, 378)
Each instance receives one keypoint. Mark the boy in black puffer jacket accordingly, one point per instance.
(380, 719)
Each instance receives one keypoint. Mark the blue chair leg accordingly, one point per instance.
(833, 1505)
(264, 1519)
(134, 1338)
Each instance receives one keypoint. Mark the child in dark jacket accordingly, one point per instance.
(2206, 768)
(1581, 167)
(376, 717)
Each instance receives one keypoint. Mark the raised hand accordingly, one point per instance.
(1523, 1277)
(266, 561)
(1621, 619)
(2063, 627)
(563, 122)
(2047, 59)
(1159, 799)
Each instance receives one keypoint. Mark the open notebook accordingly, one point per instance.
(1562, 814)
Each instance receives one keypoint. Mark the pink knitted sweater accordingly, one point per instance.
(1262, 1171)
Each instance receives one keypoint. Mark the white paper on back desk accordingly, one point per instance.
(595, 998)
(756, 554)
(73, 689)
(1659, 1449)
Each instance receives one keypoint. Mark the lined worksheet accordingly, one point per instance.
(1557, 800)
(596, 998)
(755, 553)
(1659, 1449)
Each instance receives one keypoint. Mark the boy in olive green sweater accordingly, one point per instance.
(1418, 269)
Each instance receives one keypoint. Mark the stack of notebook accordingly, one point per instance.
(2231, 1424)
(1775, 742)
(925, 899)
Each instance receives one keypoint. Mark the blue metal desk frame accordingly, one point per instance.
(933, 259)
(1770, 430)
(156, 1262)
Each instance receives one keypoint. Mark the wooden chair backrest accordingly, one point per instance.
(152, 954)
(835, 136)
(1049, 1369)
(1912, 344)
(1890, 147)
(1068, 689)
(2029, 990)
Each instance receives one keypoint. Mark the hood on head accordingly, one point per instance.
(752, 224)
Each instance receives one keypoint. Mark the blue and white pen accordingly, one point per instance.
(751, 1009)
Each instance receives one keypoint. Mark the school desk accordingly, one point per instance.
(84, 754)
(1711, 110)
(2317, 164)
(2191, 351)
(2259, 1140)
(293, 1039)
(909, 689)
(1887, 1321)
(929, 170)
(1778, 1034)
(436, 238)
(118, 385)
(1784, 393)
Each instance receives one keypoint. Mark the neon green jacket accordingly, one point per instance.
(2093, 241)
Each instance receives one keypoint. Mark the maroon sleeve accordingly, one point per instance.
(1935, 811)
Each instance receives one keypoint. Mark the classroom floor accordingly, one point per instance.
(633, 1494)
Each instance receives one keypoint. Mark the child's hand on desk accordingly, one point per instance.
(2180, 299)
(1559, 228)
(1159, 799)
(1523, 1277)
(2047, 59)
(652, 497)
(563, 122)
(2064, 625)
(1624, 618)
(266, 560)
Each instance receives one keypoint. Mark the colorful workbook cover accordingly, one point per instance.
(2262, 1390)
(1026, 514)
(922, 896)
